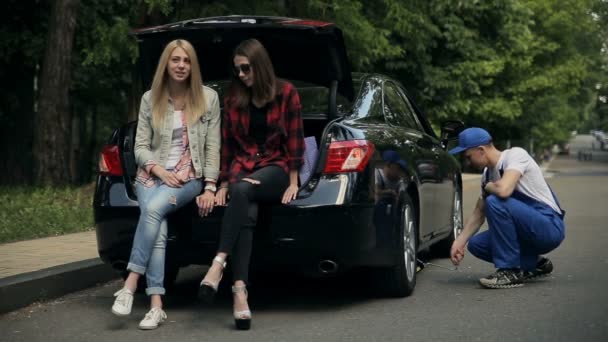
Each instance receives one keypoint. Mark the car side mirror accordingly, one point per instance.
(450, 130)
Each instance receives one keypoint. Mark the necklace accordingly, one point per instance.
(179, 103)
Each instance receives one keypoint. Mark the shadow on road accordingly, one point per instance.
(278, 292)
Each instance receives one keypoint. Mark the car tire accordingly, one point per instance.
(443, 247)
(400, 280)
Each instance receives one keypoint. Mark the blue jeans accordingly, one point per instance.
(148, 252)
(520, 229)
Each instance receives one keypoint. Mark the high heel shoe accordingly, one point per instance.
(242, 319)
(207, 288)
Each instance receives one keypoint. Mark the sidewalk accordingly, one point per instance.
(46, 268)
(34, 255)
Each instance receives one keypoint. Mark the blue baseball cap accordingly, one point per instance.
(470, 138)
(392, 156)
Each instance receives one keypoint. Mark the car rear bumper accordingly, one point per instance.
(345, 235)
(302, 240)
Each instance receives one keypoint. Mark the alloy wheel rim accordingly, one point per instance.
(409, 243)
(456, 215)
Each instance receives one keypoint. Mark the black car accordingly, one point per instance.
(341, 219)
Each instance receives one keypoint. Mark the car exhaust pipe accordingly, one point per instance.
(328, 266)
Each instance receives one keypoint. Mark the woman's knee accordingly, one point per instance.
(157, 207)
(161, 240)
(240, 188)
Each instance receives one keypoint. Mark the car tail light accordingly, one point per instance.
(109, 161)
(348, 156)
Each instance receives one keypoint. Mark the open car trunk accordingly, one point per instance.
(308, 51)
(310, 54)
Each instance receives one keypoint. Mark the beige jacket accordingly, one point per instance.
(204, 137)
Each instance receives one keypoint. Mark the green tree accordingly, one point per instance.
(525, 69)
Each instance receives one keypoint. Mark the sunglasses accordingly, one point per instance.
(245, 68)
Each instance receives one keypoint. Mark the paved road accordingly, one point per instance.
(571, 305)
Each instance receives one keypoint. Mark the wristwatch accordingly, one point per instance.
(211, 187)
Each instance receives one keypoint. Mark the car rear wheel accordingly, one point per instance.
(443, 247)
(400, 280)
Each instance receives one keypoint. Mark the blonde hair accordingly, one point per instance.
(196, 104)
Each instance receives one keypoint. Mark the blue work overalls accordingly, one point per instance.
(520, 229)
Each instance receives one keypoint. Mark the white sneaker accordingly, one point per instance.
(123, 302)
(153, 318)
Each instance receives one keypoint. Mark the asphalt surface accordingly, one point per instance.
(572, 304)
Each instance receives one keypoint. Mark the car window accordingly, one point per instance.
(397, 110)
(313, 98)
(411, 113)
(368, 106)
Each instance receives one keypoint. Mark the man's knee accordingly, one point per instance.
(495, 204)
(474, 246)
(494, 201)
(478, 245)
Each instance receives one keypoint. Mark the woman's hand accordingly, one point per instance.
(205, 202)
(290, 194)
(167, 177)
(221, 195)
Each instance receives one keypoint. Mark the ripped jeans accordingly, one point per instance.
(148, 252)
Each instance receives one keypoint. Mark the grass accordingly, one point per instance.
(29, 212)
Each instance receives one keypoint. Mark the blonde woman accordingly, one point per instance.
(177, 150)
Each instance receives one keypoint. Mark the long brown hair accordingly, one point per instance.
(265, 84)
(196, 104)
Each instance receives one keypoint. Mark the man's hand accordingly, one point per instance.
(457, 252)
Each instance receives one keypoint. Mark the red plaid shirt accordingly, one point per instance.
(284, 145)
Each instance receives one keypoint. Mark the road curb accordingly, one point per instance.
(24, 289)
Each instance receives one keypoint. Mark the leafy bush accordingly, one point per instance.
(30, 212)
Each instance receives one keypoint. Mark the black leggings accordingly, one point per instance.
(240, 216)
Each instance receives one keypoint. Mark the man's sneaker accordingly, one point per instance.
(123, 302)
(503, 278)
(153, 318)
(544, 267)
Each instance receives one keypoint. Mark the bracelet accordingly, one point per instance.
(211, 187)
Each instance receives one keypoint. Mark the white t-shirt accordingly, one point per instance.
(177, 143)
(532, 183)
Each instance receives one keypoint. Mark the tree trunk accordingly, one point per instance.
(92, 153)
(53, 124)
(76, 147)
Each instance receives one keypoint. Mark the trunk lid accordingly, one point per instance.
(309, 51)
